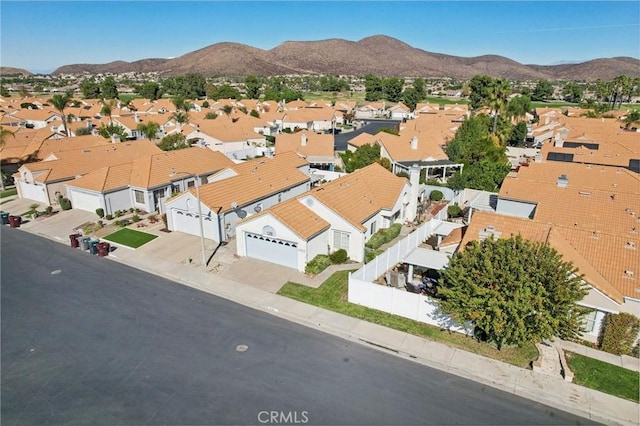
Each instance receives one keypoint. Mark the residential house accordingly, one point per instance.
(317, 149)
(146, 182)
(342, 214)
(237, 192)
(589, 214)
(400, 112)
(42, 181)
(371, 110)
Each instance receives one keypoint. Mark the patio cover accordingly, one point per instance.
(427, 258)
(444, 228)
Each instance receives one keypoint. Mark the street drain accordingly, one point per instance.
(242, 348)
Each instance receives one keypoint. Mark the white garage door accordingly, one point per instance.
(272, 250)
(190, 224)
(83, 201)
(33, 192)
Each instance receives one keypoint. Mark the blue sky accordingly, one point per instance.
(43, 35)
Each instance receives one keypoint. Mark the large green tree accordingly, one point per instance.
(497, 98)
(90, 89)
(374, 90)
(479, 87)
(361, 157)
(252, 85)
(149, 129)
(513, 291)
(173, 142)
(542, 91)
(223, 91)
(108, 88)
(573, 92)
(150, 90)
(110, 130)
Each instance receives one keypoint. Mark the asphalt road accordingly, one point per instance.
(372, 126)
(86, 340)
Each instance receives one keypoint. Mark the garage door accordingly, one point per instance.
(190, 224)
(272, 250)
(33, 192)
(83, 201)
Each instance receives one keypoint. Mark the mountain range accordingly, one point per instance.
(379, 55)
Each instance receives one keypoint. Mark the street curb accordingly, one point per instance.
(514, 387)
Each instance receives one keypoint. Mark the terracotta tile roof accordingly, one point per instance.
(37, 114)
(363, 139)
(455, 237)
(359, 195)
(105, 179)
(602, 268)
(316, 145)
(306, 115)
(225, 129)
(83, 161)
(297, 217)
(255, 179)
(155, 170)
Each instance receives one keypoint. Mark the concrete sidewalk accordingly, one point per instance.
(165, 256)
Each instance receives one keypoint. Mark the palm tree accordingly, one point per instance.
(149, 130)
(227, 109)
(107, 108)
(181, 118)
(60, 102)
(498, 95)
(4, 134)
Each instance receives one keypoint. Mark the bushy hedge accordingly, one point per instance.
(317, 264)
(100, 212)
(454, 211)
(339, 256)
(436, 195)
(371, 254)
(383, 236)
(619, 333)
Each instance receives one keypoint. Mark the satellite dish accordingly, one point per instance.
(234, 205)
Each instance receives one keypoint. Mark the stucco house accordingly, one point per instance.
(238, 192)
(588, 214)
(146, 182)
(342, 214)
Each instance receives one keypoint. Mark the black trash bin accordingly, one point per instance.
(4, 218)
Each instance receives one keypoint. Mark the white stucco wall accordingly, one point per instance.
(117, 200)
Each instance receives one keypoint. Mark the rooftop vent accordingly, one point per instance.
(628, 273)
(630, 245)
(562, 181)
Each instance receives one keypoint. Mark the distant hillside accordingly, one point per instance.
(379, 55)
(6, 71)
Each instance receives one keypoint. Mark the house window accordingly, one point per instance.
(139, 196)
(589, 321)
(191, 184)
(373, 228)
(340, 240)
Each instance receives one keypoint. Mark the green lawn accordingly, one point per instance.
(332, 295)
(8, 193)
(604, 377)
(130, 238)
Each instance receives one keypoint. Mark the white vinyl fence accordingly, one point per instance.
(363, 291)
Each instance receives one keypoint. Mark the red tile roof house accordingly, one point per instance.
(237, 192)
(342, 214)
(237, 139)
(316, 149)
(146, 182)
(589, 214)
(42, 180)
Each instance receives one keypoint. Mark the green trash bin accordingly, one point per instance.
(93, 246)
(4, 218)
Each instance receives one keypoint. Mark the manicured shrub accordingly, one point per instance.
(383, 236)
(135, 218)
(619, 333)
(436, 195)
(109, 217)
(48, 210)
(100, 212)
(318, 264)
(454, 211)
(338, 256)
(65, 204)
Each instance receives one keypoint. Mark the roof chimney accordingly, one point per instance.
(562, 181)
(115, 138)
(414, 142)
(303, 139)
